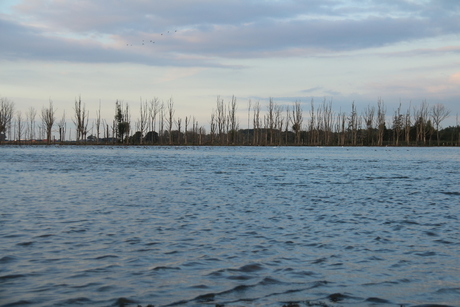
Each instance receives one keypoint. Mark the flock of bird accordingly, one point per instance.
(144, 42)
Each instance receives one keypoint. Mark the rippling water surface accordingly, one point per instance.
(235, 226)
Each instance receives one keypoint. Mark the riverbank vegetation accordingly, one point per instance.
(270, 125)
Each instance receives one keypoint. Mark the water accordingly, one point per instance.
(235, 226)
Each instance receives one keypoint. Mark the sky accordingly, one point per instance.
(193, 51)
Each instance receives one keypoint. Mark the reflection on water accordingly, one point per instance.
(237, 226)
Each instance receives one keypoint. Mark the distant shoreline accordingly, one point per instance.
(73, 143)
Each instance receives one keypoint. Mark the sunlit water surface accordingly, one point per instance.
(241, 226)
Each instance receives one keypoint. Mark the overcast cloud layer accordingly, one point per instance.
(101, 31)
(192, 35)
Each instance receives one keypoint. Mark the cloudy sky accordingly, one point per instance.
(194, 50)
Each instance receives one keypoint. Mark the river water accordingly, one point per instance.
(234, 226)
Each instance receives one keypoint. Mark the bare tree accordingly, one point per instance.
(179, 127)
(221, 119)
(62, 126)
(421, 121)
(341, 123)
(232, 120)
(161, 123)
(297, 119)
(398, 122)
(154, 110)
(6, 115)
(98, 122)
(80, 120)
(256, 123)
(48, 119)
(143, 120)
(187, 122)
(438, 114)
(271, 118)
(249, 116)
(286, 125)
(369, 121)
(212, 127)
(327, 121)
(170, 118)
(380, 121)
(19, 126)
(312, 124)
(353, 124)
(31, 114)
(278, 122)
(407, 125)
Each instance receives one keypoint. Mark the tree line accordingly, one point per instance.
(272, 125)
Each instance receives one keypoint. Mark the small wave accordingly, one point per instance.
(377, 300)
(12, 276)
(443, 241)
(106, 256)
(77, 301)
(122, 301)
(449, 290)
(432, 305)
(269, 281)
(319, 260)
(451, 193)
(7, 259)
(25, 243)
(162, 268)
(251, 268)
(426, 254)
(338, 297)
(45, 235)
(18, 303)
(240, 277)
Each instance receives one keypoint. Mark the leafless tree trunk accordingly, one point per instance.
(81, 120)
(61, 125)
(143, 120)
(161, 131)
(438, 114)
(407, 125)
(369, 121)
(179, 127)
(256, 123)
(327, 121)
(353, 124)
(221, 119)
(249, 115)
(312, 124)
(170, 119)
(6, 115)
(271, 119)
(213, 127)
(98, 122)
(380, 121)
(48, 119)
(232, 120)
(397, 124)
(19, 126)
(154, 110)
(187, 121)
(421, 119)
(31, 123)
(286, 126)
(297, 119)
(278, 123)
